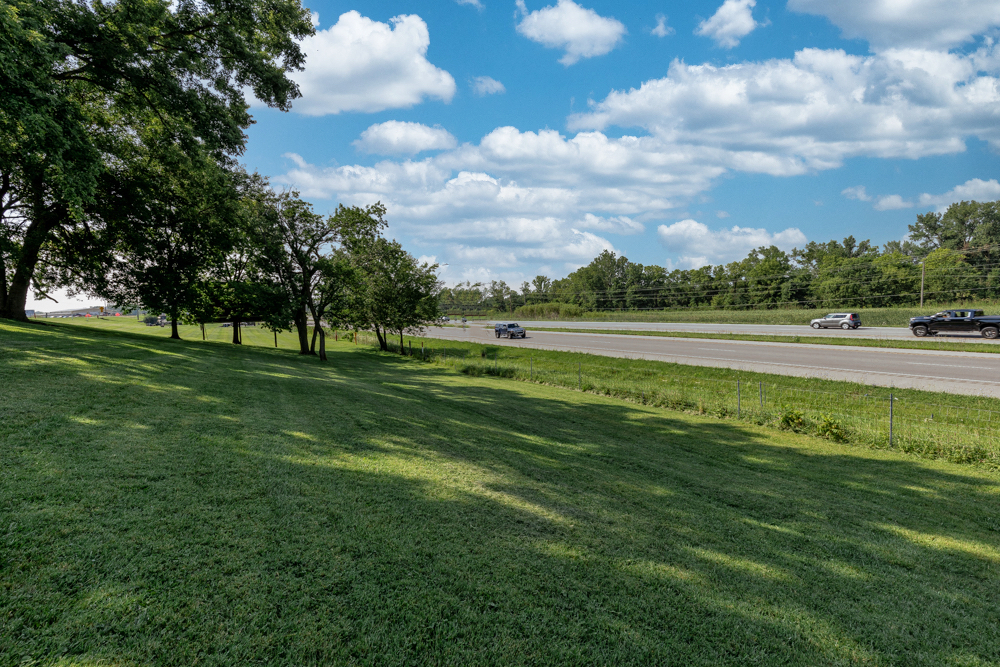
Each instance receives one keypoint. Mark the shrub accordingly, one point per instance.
(830, 429)
(550, 310)
(792, 420)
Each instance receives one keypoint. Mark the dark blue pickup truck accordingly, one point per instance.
(956, 322)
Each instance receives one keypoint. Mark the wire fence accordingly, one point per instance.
(872, 416)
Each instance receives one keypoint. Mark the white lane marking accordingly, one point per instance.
(919, 363)
(716, 349)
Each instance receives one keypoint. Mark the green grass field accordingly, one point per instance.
(178, 503)
(959, 428)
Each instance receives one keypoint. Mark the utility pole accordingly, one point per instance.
(923, 269)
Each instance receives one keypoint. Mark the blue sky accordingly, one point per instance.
(512, 138)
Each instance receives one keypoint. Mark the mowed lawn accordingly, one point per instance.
(190, 503)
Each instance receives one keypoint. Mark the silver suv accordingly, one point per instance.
(841, 320)
(509, 329)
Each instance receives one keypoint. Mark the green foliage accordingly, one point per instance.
(178, 218)
(829, 428)
(550, 310)
(792, 420)
(86, 83)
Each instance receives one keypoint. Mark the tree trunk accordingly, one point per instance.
(381, 340)
(3, 283)
(303, 331)
(237, 340)
(401, 349)
(312, 347)
(173, 329)
(322, 345)
(17, 294)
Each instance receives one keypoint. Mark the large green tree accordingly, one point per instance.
(82, 78)
(176, 220)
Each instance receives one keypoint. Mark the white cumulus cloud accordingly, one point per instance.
(857, 192)
(620, 224)
(486, 85)
(363, 65)
(403, 138)
(697, 245)
(475, 3)
(731, 22)
(532, 197)
(975, 189)
(661, 29)
(787, 116)
(907, 23)
(891, 203)
(580, 32)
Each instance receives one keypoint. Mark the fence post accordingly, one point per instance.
(890, 419)
(760, 394)
(531, 368)
(495, 361)
(410, 343)
(422, 350)
(579, 375)
(276, 338)
(738, 406)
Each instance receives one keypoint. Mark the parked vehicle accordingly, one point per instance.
(956, 321)
(509, 329)
(838, 320)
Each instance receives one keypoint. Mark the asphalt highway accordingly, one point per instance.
(954, 372)
(759, 329)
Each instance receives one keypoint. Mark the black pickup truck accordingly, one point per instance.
(957, 322)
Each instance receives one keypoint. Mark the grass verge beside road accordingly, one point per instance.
(959, 428)
(172, 502)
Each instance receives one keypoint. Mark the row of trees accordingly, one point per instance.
(946, 257)
(121, 125)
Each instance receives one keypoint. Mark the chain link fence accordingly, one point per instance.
(872, 416)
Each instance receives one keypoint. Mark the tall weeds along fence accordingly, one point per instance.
(870, 416)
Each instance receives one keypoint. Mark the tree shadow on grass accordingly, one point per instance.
(381, 511)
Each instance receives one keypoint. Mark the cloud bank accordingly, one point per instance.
(697, 245)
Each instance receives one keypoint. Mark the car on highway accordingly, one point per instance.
(956, 321)
(837, 320)
(509, 329)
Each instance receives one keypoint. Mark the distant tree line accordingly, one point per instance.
(950, 257)
(121, 125)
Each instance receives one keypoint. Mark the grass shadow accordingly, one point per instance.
(233, 506)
